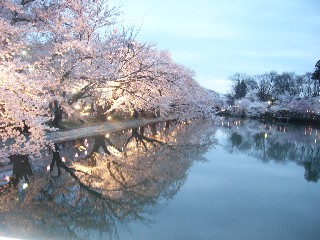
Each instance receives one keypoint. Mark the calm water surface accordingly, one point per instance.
(230, 180)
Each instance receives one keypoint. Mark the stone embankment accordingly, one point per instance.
(103, 128)
(93, 130)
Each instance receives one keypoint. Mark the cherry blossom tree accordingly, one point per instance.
(61, 51)
(24, 92)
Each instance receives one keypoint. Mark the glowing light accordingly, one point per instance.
(86, 152)
(31, 68)
(24, 52)
(76, 155)
(63, 159)
(48, 168)
(109, 118)
(107, 135)
(25, 185)
(265, 135)
(85, 140)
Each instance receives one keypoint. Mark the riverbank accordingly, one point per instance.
(287, 117)
(102, 128)
(97, 128)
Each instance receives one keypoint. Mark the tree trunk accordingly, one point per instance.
(21, 168)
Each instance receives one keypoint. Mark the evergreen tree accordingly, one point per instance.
(316, 73)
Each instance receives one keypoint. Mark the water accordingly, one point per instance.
(231, 180)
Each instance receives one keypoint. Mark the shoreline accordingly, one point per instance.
(102, 128)
(96, 129)
(289, 118)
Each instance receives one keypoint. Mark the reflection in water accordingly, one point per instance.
(95, 185)
(278, 142)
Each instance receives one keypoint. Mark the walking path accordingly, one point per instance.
(104, 128)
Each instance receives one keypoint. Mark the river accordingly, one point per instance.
(229, 179)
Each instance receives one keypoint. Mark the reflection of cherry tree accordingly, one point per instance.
(134, 174)
(278, 142)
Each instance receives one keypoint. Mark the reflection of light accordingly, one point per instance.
(107, 135)
(25, 185)
(63, 159)
(76, 155)
(109, 118)
(86, 152)
(77, 106)
(7, 178)
(48, 168)
(265, 135)
(315, 141)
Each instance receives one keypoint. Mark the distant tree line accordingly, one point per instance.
(270, 85)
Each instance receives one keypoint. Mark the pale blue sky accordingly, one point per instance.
(217, 38)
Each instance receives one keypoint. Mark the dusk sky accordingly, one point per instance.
(219, 38)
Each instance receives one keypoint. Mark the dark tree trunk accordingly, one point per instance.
(57, 114)
(21, 168)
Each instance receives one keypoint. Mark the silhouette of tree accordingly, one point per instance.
(316, 73)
